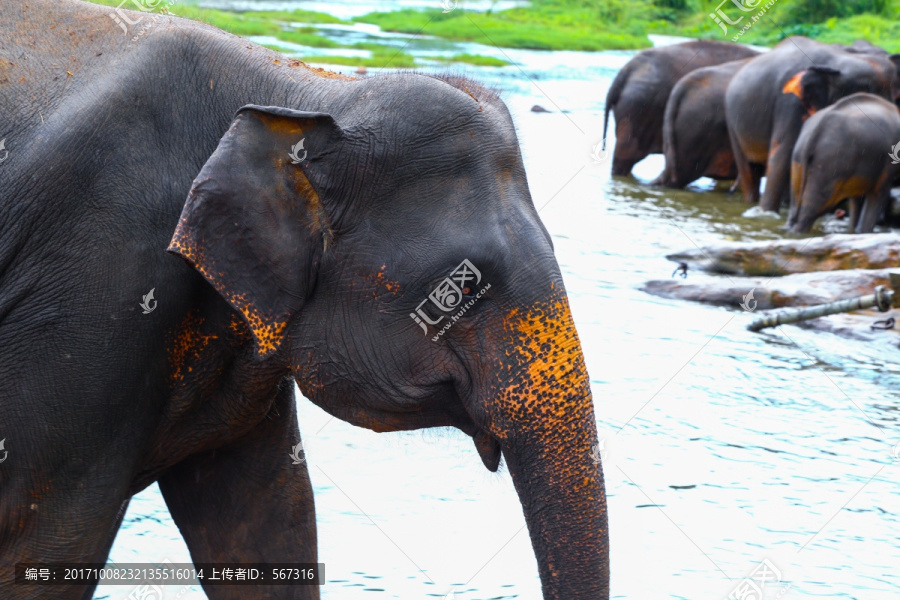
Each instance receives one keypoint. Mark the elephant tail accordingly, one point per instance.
(614, 94)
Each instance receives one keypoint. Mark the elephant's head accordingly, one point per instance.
(396, 264)
(848, 73)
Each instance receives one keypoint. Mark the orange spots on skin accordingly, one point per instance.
(544, 382)
(187, 347)
(382, 285)
(239, 328)
(267, 329)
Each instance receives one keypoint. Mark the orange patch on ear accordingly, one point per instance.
(793, 85)
(267, 329)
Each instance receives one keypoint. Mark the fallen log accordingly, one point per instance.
(835, 252)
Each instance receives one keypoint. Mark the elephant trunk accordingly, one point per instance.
(564, 501)
(543, 419)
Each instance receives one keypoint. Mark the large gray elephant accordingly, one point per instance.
(843, 152)
(638, 94)
(338, 232)
(771, 97)
(695, 132)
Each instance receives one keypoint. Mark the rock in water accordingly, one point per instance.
(757, 213)
(539, 109)
(783, 257)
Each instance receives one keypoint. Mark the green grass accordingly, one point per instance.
(475, 59)
(515, 28)
(567, 25)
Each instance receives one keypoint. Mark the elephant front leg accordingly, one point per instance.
(248, 502)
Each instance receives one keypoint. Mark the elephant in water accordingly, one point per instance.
(771, 97)
(638, 94)
(332, 227)
(695, 133)
(843, 152)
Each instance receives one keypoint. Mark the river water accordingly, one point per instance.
(723, 448)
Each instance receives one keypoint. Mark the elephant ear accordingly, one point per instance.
(254, 225)
(895, 84)
(813, 86)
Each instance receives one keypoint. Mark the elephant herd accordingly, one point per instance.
(819, 121)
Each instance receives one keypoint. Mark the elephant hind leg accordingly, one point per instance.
(855, 211)
(247, 502)
(872, 208)
(749, 176)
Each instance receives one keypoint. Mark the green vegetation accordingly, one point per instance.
(570, 25)
(475, 59)
(611, 24)
(294, 27)
(544, 26)
(830, 21)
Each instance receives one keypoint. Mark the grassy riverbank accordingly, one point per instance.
(561, 25)
(299, 27)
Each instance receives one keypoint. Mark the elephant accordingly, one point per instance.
(638, 94)
(695, 134)
(843, 152)
(192, 223)
(771, 97)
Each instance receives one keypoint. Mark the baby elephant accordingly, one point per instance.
(844, 151)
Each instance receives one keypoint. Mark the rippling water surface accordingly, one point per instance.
(724, 447)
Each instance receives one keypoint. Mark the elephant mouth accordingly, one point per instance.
(488, 449)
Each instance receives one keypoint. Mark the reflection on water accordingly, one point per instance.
(724, 447)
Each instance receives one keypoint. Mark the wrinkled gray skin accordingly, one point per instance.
(278, 270)
(842, 153)
(638, 94)
(695, 132)
(765, 114)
